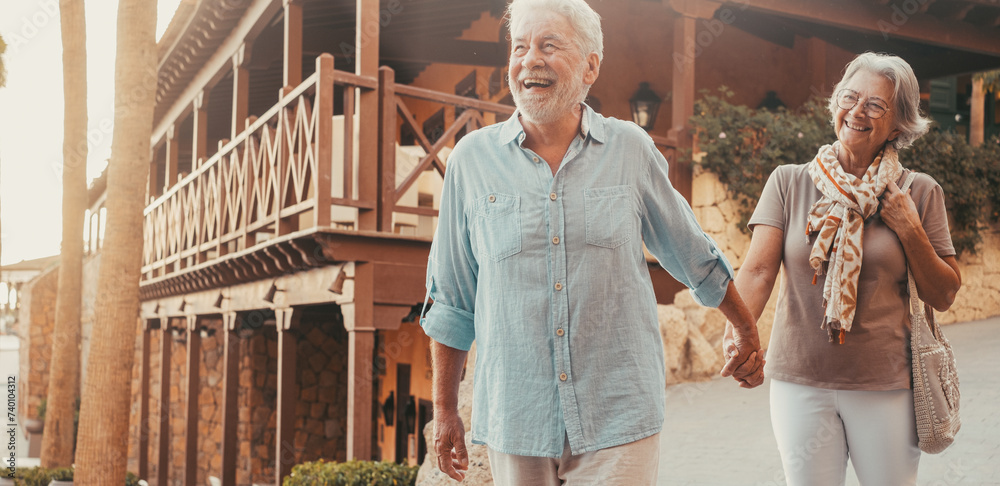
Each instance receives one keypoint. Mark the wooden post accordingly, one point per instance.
(163, 465)
(293, 44)
(193, 387)
(366, 64)
(817, 67)
(386, 147)
(976, 113)
(230, 395)
(683, 98)
(199, 139)
(288, 392)
(324, 139)
(241, 90)
(144, 401)
(360, 325)
(171, 163)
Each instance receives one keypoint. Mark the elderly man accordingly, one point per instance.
(538, 258)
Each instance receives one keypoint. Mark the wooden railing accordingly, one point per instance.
(273, 179)
(474, 114)
(298, 167)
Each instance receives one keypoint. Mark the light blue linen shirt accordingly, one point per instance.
(547, 274)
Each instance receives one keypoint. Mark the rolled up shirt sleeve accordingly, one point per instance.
(452, 270)
(672, 234)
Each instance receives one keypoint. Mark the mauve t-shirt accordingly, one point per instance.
(876, 353)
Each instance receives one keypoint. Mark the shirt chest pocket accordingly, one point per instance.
(610, 218)
(498, 225)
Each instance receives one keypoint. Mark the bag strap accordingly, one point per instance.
(916, 305)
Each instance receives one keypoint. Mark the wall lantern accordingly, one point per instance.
(644, 105)
(389, 408)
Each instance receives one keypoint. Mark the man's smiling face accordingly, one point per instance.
(549, 75)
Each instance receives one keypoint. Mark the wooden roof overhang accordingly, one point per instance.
(288, 254)
(412, 35)
(936, 37)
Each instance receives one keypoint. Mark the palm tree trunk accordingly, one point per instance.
(102, 442)
(64, 373)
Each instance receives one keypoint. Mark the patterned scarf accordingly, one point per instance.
(839, 218)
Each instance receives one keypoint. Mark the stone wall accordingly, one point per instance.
(979, 297)
(210, 402)
(36, 320)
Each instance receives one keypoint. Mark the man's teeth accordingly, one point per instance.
(531, 82)
(855, 127)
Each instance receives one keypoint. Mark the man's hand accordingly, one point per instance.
(744, 358)
(740, 343)
(449, 443)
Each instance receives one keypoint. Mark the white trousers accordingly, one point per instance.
(633, 464)
(818, 429)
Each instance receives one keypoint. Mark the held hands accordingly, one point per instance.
(744, 358)
(898, 210)
(449, 443)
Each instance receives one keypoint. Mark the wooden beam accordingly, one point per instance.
(386, 148)
(163, 464)
(193, 387)
(890, 21)
(288, 391)
(144, 404)
(199, 139)
(976, 113)
(361, 346)
(241, 90)
(817, 67)
(292, 67)
(172, 158)
(369, 247)
(450, 51)
(366, 52)
(230, 396)
(682, 100)
(324, 140)
(399, 284)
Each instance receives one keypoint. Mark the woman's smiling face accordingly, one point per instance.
(857, 131)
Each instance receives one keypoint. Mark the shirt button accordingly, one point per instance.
(555, 240)
(492, 198)
(560, 332)
(552, 196)
(558, 286)
(562, 377)
(535, 159)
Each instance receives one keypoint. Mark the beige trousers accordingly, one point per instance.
(633, 464)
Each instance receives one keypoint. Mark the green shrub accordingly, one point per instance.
(742, 146)
(351, 473)
(40, 476)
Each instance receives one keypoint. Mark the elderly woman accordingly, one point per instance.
(839, 353)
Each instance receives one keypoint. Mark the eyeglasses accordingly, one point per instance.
(848, 98)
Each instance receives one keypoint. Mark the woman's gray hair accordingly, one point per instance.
(906, 93)
(585, 21)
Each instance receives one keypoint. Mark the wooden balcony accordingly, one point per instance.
(297, 176)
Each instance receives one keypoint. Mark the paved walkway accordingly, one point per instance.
(719, 434)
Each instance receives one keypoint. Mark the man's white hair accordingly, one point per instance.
(585, 21)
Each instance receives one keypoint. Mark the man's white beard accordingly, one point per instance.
(542, 109)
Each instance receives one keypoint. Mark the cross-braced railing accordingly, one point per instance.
(273, 179)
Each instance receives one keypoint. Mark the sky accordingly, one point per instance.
(31, 116)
